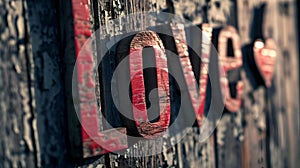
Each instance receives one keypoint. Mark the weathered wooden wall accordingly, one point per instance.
(37, 56)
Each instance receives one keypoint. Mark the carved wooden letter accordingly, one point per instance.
(182, 48)
(265, 57)
(145, 127)
(94, 142)
(230, 63)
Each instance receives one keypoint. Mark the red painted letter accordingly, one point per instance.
(145, 127)
(230, 63)
(94, 142)
(182, 48)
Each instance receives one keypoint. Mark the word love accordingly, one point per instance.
(97, 142)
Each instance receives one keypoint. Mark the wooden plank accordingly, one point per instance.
(254, 147)
(289, 116)
(191, 150)
(275, 26)
(228, 132)
(47, 34)
(19, 141)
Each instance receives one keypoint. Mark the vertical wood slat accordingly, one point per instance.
(229, 128)
(284, 100)
(45, 25)
(110, 30)
(228, 134)
(250, 159)
(277, 152)
(289, 117)
(18, 142)
(255, 130)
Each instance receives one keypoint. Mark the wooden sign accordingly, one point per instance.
(265, 57)
(94, 142)
(230, 63)
(144, 126)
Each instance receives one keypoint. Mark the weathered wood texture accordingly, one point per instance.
(48, 83)
(18, 131)
(279, 24)
(222, 13)
(189, 152)
(229, 128)
(36, 89)
(94, 142)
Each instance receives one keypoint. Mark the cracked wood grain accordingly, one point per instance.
(265, 55)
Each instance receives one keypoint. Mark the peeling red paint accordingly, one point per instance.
(182, 48)
(94, 142)
(145, 127)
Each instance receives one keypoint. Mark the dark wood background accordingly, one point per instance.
(37, 56)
